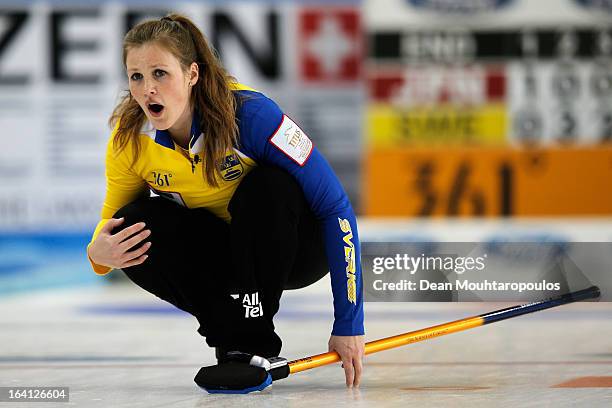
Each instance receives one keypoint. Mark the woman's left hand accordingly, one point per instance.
(351, 351)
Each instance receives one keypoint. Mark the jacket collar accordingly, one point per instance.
(196, 141)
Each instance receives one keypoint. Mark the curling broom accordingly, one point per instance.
(318, 360)
(254, 377)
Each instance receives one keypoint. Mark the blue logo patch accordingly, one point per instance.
(460, 6)
(231, 168)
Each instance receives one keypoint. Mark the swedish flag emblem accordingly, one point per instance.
(231, 167)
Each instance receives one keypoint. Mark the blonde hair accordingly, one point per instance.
(211, 96)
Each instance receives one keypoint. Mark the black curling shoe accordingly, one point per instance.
(240, 373)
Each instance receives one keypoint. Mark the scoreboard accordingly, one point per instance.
(463, 98)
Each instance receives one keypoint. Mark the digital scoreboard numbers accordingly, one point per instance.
(559, 81)
(561, 91)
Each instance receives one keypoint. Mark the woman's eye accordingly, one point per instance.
(159, 73)
(136, 76)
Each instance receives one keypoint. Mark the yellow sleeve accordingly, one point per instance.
(123, 186)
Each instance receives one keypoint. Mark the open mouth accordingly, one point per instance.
(155, 109)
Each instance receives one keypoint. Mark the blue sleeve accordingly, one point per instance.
(259, 121)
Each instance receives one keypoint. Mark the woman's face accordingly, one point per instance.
(160, 86)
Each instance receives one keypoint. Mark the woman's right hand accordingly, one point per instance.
(113, 251)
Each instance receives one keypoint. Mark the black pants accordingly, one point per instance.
(197, 261)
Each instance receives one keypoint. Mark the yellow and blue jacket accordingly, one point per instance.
(266, 136)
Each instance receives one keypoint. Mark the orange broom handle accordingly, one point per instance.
(388, 343)
(318, 360)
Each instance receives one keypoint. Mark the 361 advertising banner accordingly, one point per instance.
(488, 182)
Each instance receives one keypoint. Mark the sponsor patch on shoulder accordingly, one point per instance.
(292, 141)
